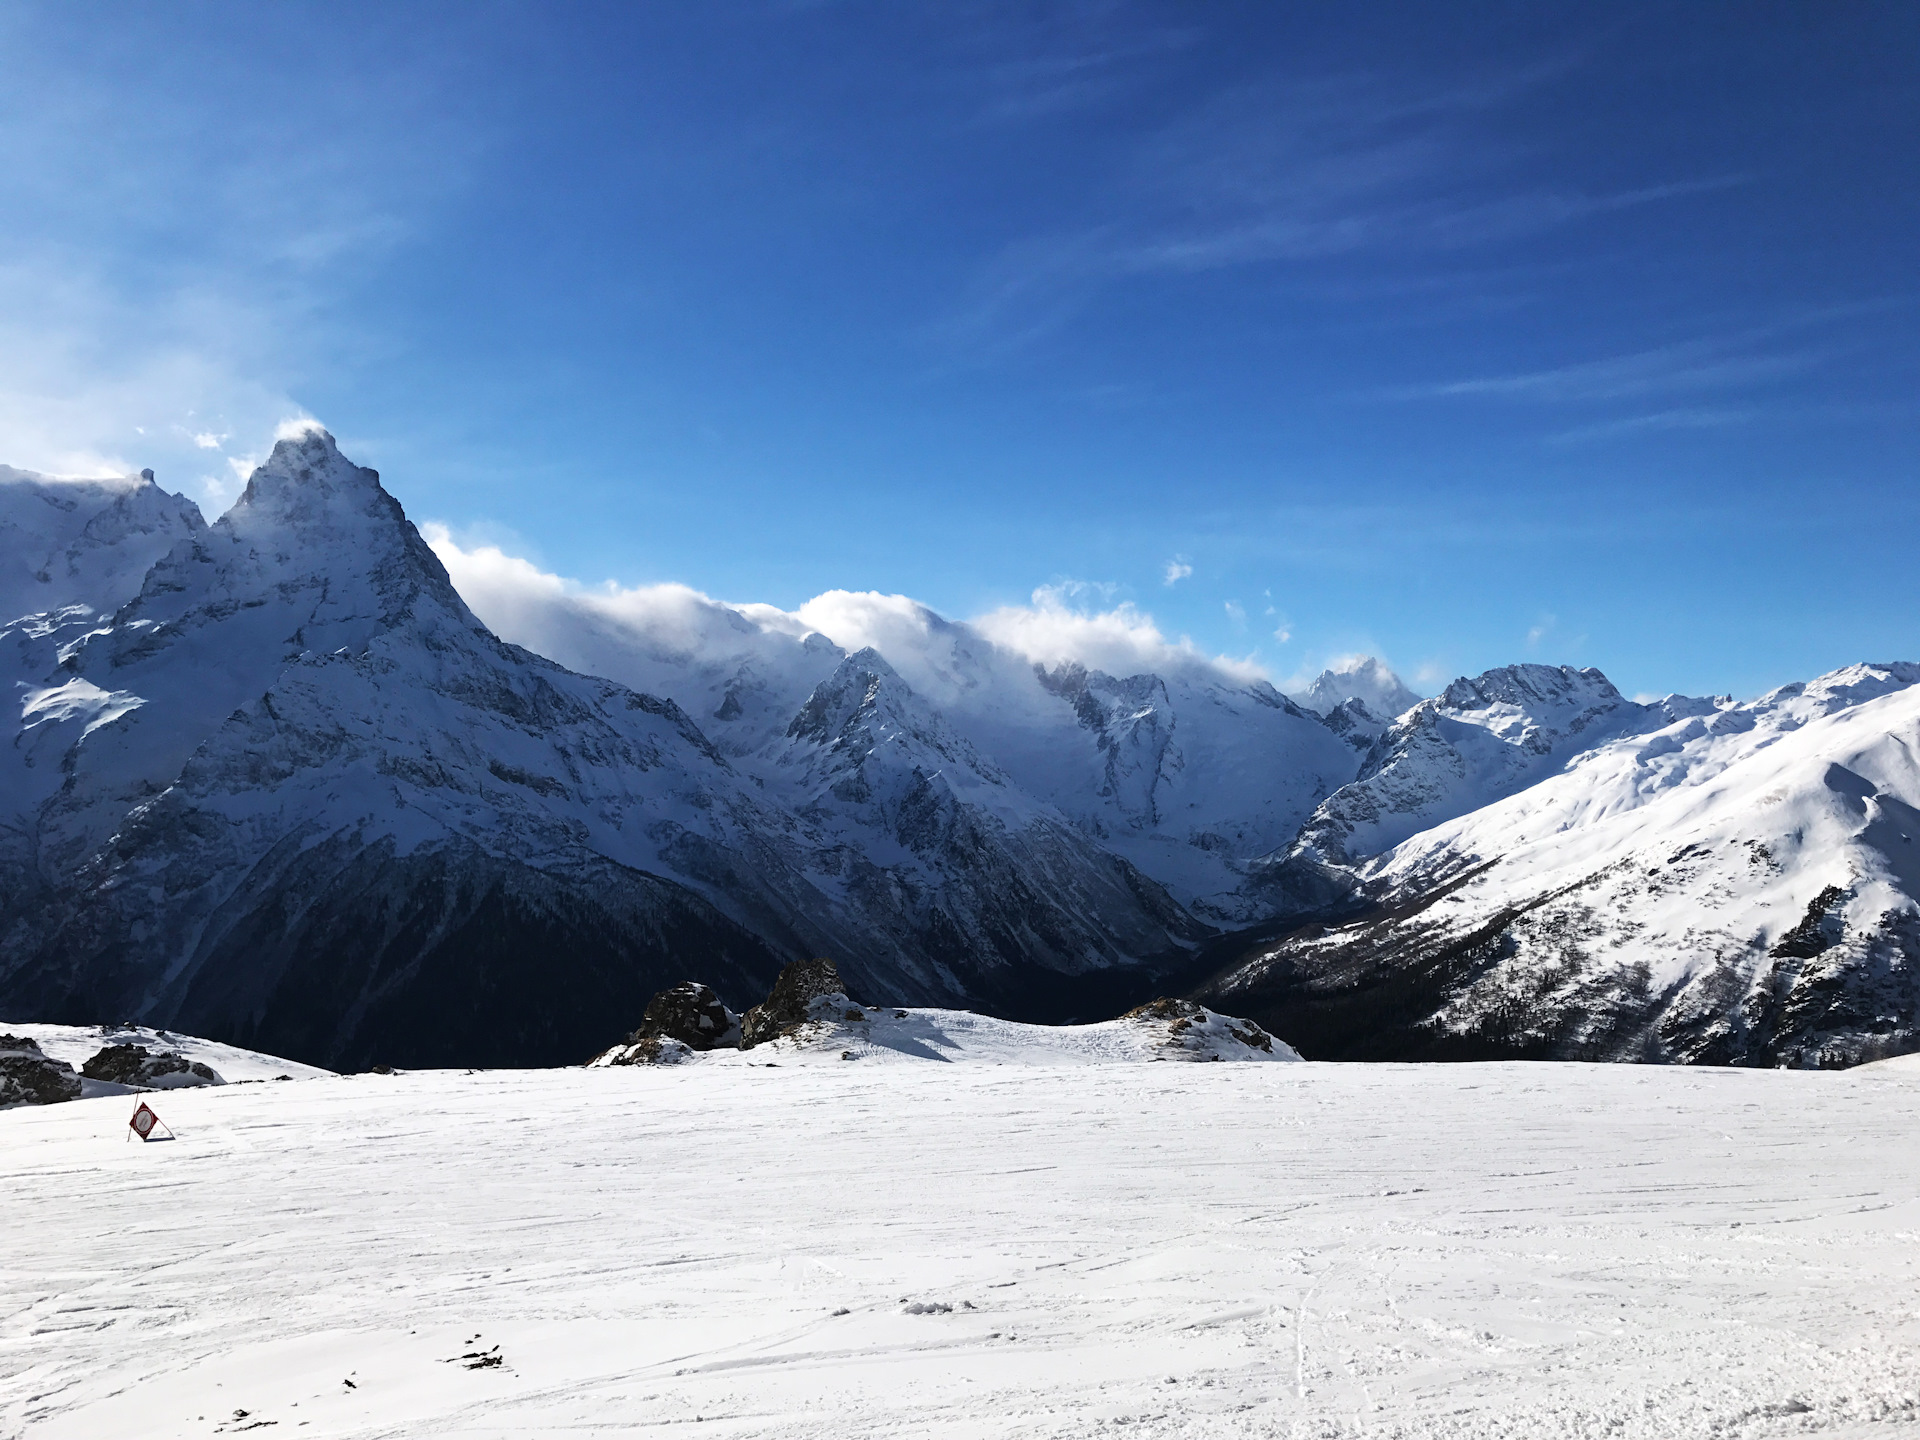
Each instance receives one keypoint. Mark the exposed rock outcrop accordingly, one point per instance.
(679, 1022)
(1193, 1032)
(793, 1001)
(30, 1077)
(149, 1070)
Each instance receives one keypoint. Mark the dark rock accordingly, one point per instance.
(692, 1014)
(1818, 931)
(29, 1077)
(790, 1005)
(1191, 1026)
(640, 1049)
(688, 1017)
(138, 1066)
(1166, 1008)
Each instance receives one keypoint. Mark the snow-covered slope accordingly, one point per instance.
(1476, 742)
(77, 1044)
(1739, 885)
(297, 796)
(948, 1252)
(1187, 775)
(83, 542)
(1187, 772)
(1359, 677)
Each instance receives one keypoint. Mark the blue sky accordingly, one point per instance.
(1459, 334)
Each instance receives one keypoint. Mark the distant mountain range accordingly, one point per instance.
(273, 781)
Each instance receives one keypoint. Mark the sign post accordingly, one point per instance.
(144, 1121)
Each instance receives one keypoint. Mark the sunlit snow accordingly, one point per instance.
(941, 1250)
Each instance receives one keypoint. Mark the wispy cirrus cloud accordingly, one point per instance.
(176, 248)
(1290, 172)
(1690, 366)
(1681, 373)
(1659, 422)
(1067, 59)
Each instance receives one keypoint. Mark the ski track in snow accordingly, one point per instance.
(1287, 1250)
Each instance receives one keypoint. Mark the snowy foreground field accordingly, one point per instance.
(972, 1250)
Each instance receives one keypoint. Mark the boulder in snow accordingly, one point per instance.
(806, 990)
(1193, 1032)
(149, 1070)
(689, 1017)
(643, 1049)
(29, 1077)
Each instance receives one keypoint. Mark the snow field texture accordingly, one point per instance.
(948, 1250)
(76, 1044)
(882, 1032)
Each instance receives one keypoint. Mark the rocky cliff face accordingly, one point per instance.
(1000, 890)
(1478, 741)
(295, 794)
(83, 542)
(1738, 885)
(289, 791)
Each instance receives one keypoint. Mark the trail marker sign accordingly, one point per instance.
(144, 1122)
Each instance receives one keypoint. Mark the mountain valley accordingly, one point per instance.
(272, 780)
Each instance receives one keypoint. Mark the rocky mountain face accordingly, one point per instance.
(999, 888)
(1187, 774)
(1361, 678)
(1696, 881)
(1476, 742)
(83, 542)
(293, 793)
(272, 780)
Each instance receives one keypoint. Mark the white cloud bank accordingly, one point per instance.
(586, 626)
(1122, 641)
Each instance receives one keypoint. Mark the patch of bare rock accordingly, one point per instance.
(28, 1076)
(145, 1069)
(678, 1023)
(1193, 1032)
(809, 1006)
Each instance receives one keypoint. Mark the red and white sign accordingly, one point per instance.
(143, 1121)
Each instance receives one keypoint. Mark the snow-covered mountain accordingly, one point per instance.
(295, 795)
(1188, 771)
(1476, 742)
(1700, 881)
(1358, 677)
(83, 542)
(273, 781)
(312, 797)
